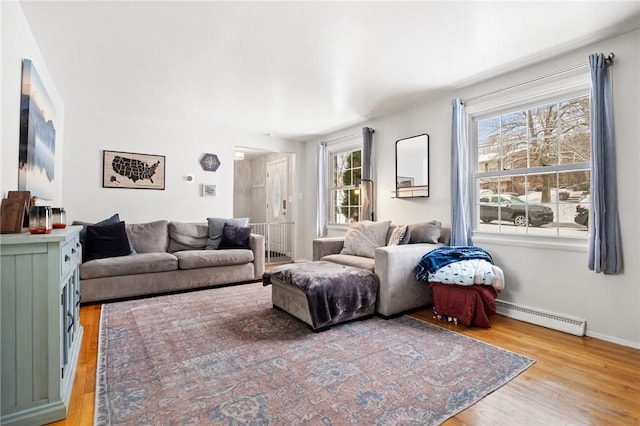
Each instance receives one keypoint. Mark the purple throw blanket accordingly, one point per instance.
(335, 293)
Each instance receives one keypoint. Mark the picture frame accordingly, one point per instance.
(133, 170)
(37, 145)
(208, 190)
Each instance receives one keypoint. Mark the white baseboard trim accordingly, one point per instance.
(554, 321)
(615, 340)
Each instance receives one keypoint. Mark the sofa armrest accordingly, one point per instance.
(325, 246)
(256, 244)
(399, 290)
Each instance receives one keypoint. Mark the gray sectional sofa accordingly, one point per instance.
(398, 289)
(168, 257)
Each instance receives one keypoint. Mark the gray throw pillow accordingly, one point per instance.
(216, 226)
(425, 232)
(150, 237)
(364, 237)
(187, 236)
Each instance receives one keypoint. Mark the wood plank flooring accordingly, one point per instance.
(575, 380)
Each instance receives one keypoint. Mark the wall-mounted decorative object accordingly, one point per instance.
(132, 170)
(208, 190)
(210, 162)
(36, 160)
(412, 167)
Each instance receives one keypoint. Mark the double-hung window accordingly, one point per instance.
(345, 172)
(532, 164)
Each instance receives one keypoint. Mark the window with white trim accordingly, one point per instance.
(345, 172)
(532, 166)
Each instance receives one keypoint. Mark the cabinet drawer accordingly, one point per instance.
(70, 256)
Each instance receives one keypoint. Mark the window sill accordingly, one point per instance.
(544, 243)
(337, 227)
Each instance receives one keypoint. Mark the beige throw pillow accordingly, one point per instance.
(364, 237)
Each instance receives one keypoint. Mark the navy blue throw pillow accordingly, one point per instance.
(108, 240)
(235, 237)
(83, 233)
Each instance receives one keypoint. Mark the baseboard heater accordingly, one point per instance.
(551, 320)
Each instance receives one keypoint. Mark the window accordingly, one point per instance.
(344, 194)
(532, 168)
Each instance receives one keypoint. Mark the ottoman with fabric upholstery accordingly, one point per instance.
(322, 294)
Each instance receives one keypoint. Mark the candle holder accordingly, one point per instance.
(40, 220)
(59, 219)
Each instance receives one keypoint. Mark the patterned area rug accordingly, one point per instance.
(225, 356)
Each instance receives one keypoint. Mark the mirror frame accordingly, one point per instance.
(413, 191)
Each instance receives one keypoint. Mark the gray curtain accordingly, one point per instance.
(321, 214)
(460, 187)
(366, 189)
(604, 237)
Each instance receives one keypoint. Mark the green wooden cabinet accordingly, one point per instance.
(39, 324)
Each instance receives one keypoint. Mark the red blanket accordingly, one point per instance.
(471, 305)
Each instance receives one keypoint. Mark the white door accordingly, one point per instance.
(278, 237)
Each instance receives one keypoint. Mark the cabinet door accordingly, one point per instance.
(70, 316)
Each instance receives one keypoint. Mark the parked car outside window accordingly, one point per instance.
(582, 212)
(513, 209)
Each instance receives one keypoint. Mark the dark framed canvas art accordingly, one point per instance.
(37, 152)
(132, 170)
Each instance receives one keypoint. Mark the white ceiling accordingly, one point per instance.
(297, 69)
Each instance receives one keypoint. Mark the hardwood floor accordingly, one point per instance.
(575, 380)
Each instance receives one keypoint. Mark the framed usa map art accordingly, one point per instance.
(132, 170)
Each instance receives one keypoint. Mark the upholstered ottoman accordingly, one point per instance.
(322, 293)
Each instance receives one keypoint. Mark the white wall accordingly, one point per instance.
(554, 280)
(17, 44)
(183, 143)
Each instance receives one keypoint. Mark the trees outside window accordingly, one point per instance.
(345, 172)
(541, 154)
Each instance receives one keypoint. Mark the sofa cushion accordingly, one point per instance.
(128, 265)
(361, 262)
(187, 236)
(195, 259)
(107, 240)
(362, 238)
(425, 232)
(216, 226)
(235, 237)
(398, 235)
(150, 237)
(83, 232)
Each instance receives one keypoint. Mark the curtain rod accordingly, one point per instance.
(352, 135)
(608, 60)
